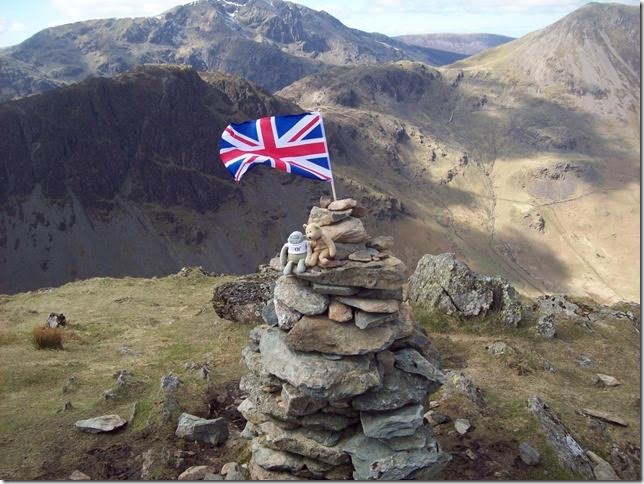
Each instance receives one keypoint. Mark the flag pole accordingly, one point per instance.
(327, 150)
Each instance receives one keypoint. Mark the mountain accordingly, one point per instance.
(120, 175)
(270, 42)
(507, 163)
(589, 59)
(466, 44)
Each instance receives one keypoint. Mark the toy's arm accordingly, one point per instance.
(309, 252)
(331, 245)
(284, 255)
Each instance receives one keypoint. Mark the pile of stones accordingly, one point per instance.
(340, 374)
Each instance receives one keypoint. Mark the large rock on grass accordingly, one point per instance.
(444, 284)
(320, 377)
(243, 299)
(196, 429)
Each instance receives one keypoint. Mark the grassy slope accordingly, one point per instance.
(167, 322)
(508, 380)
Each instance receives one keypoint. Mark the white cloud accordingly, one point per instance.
(75, 10)
(16, 27)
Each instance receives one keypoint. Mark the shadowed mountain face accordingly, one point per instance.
(272, 43)
(466, 44)
(121, 176)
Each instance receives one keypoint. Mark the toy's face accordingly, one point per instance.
(313, 232)
(296, 237)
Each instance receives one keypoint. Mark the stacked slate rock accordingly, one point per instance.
(339, 377)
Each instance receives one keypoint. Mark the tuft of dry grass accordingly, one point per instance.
(46, 338)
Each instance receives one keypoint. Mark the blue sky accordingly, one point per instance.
(21, 19)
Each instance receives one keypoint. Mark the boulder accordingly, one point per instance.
(343, 250)
(323, 216)
(606, 380)
(392, 423)
(385, 274)
(343, 204)
(398, 389)
(498, 348)
(442, 283)
(104, 423)
(567, 449)
(197, 429)
(371, 305)
(373, 460)
(557, 304)
(340, 312)
(321, 334)
(320, 377)
(286, 317)
(602, 469)
(298, 295)
(196, 473)
(243, 299)
(546, 326)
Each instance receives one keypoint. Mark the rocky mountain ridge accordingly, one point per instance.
(271, 43)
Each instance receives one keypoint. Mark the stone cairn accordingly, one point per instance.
(340, 373)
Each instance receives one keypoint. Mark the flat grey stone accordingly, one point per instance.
(393, 423)
(104, 423)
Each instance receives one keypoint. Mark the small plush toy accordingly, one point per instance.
(321, 247)
(294, 253)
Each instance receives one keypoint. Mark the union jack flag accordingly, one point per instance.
(294, 144)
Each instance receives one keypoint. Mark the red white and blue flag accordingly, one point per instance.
(294, 144)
